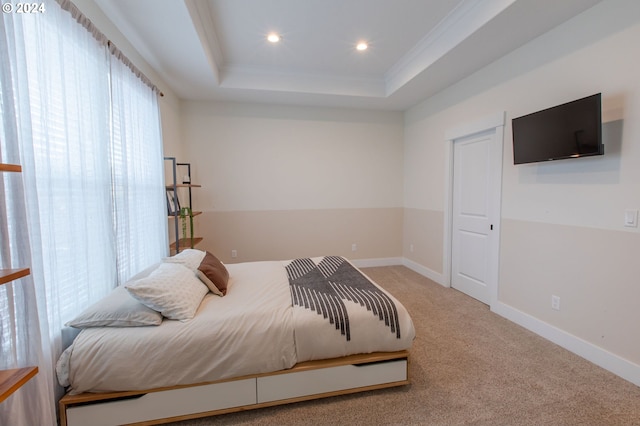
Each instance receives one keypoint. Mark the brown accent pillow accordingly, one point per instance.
(213, 273)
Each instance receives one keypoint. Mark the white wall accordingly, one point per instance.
(284, 181)
(562, 222)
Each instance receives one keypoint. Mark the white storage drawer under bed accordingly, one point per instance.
(310, 380)
(165, 404)
(326, 380)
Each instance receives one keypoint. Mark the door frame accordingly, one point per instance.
(491, 122)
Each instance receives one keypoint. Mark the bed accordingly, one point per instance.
(273, 332)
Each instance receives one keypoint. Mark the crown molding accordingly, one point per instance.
(461, 23)
(256, 78)
(202, 19)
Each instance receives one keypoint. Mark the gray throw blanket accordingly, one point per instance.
(324, 287)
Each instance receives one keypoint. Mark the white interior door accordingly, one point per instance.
(473, 214)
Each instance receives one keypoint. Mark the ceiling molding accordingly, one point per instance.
(418, 48)
(200, 14)
(459, 24)
(235, 77)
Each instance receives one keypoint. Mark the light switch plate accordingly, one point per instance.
(631, 218)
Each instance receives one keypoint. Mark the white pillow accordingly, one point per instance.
(191, 258)
(117, 309)
(172, 289)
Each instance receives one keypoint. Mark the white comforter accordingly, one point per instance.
(253, 329)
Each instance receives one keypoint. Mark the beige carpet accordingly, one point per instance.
(468, 366)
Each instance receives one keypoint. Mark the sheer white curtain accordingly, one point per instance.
(138, 173)
(87, 134)
(67, 164)
(20, 332)
(51, 126)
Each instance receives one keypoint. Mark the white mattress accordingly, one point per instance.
(253, 329)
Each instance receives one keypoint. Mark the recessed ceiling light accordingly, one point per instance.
(273, 38)
(362, 46)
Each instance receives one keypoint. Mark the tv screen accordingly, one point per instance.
(569, 130)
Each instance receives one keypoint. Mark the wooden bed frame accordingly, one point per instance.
(305, 381)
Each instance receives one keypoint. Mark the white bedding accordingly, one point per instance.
(253, 329)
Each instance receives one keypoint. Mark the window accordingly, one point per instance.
(86, 130)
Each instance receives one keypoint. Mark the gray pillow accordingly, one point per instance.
(117, 309)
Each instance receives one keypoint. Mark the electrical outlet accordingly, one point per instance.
(354, 247)
(411, 248)
(555, 303)
(234, 253)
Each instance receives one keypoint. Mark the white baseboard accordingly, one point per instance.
(424, 271)
(369, 263)
(601, 357)
(394, 261)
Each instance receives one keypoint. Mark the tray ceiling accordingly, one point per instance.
(217, 49)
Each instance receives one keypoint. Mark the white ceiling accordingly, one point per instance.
(217, 49)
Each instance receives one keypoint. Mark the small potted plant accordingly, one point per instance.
(184, 213)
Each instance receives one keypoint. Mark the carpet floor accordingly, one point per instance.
(467, 366)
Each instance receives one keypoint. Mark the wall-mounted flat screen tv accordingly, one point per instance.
(569, 130)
